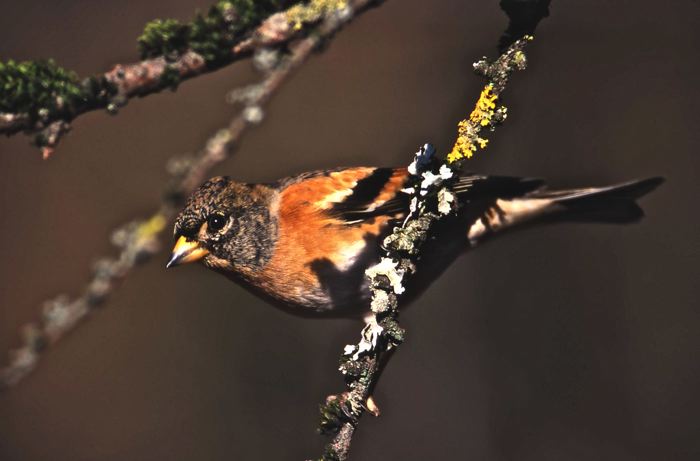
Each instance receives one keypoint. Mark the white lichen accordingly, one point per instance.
(389, 268)
(446, 201)
(368, 342)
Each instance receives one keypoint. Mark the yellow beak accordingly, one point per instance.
(186, 251)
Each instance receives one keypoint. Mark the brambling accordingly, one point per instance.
(304, 242)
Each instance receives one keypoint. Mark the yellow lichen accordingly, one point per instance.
(468, 129)
(313, 11)
(483, 112)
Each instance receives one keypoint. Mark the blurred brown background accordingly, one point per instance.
(575, 342)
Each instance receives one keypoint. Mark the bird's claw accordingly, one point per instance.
(371, 407)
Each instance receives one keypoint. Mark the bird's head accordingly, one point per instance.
(226, 224)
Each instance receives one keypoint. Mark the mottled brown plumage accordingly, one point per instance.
(305, 241)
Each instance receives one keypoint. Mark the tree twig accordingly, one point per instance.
(139, 240)
(123, 82)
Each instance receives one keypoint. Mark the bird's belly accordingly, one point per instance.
(319, 287)
(336, 295)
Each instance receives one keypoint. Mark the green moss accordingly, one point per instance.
(166, 37)
(44, 90)
(252, 12)
(211, 34)
(37, 88)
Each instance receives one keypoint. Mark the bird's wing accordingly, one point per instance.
(347, 196)
(356, 195)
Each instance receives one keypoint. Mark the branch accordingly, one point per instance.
(432, 200)
(139, 239)
(176, 52)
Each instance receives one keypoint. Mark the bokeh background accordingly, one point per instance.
(574, 342)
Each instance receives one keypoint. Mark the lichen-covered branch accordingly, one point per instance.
(41, 98)
(139, 240)
(486, 113)
(432, 200)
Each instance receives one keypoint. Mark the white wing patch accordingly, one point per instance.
(506, 213)
(335, 197)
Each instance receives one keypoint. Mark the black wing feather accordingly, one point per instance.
(357, 207)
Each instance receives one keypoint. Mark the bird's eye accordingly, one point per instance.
(216, 222)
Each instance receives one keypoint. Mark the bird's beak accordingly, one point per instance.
(186, 251)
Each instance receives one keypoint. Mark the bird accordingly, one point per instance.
(304, 242)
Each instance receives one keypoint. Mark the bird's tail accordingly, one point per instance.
(612, 204)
